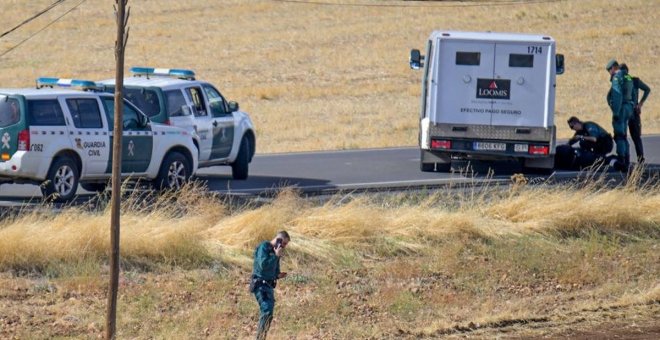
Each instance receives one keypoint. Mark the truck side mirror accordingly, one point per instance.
(233, 106)
(559, 62)
(416, 59)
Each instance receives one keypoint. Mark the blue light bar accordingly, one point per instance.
(70, 83)
(165, 72)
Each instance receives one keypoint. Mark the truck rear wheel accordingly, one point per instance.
(62, 180)
(427, 167)
(542, 166)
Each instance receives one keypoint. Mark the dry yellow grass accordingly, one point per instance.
(408, 264)
(331, 77)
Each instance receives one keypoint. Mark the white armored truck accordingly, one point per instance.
(487, 96)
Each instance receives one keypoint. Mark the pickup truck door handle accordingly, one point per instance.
(215, 123)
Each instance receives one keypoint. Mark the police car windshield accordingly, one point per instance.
(146, 100)
(10, 112)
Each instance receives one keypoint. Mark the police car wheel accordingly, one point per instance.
(239, 169)
(62, 181)
(174, 172)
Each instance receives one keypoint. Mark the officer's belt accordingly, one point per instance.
(259, 281)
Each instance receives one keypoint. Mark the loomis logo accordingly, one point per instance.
(494, 88)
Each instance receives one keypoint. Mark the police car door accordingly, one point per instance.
(89, 134)
(523, 66)
(222, 122)
(137, 142)
(203, 121)
(465, 69)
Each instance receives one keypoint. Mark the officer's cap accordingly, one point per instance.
(611, 64)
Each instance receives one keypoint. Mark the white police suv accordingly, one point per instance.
(174, 97)
(60, 138)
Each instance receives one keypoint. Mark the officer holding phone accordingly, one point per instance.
(265, 273)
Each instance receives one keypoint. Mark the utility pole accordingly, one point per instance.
(121, 14)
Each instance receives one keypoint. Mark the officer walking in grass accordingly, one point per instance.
(265, 273)
(620, 100)
(635, 122)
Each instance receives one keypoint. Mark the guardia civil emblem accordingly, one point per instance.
(6, 138)
(131, 147)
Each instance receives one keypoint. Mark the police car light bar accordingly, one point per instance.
(85, 85)
(166, 72)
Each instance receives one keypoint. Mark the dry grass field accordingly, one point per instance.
(526, 261)
(523, 261)
(317, 76)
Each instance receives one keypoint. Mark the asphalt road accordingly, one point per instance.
(331, 171)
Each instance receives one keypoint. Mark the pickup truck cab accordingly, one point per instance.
(59, 138)
(175, 97)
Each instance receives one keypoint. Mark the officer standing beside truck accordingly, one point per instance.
(620, 100)
(265, 273)
(635, 122)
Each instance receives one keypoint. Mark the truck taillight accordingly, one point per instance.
(440, 144)
(539, 149)
(167, 122)
(24, 140)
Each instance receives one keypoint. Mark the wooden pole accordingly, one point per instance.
(121, 15)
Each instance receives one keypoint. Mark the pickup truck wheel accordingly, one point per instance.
(62, 180)
(239, 169)
(174, 172)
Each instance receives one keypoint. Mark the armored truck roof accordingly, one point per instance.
(490, 36)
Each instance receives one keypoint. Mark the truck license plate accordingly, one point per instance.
(487, 146)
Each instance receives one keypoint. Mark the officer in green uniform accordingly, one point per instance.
(620, 101)
(635, 122)
(593, 144)
(266, 271)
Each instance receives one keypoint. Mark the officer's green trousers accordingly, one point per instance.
(620, 127)
(266, 299)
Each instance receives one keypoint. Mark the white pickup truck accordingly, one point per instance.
(487, 96)
(59, 138)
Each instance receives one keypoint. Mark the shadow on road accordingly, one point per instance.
(259, 184)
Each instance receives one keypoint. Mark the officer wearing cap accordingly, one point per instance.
(620, 100)
(635, 122)
(265, 272)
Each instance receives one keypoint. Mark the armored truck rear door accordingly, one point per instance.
(462, 66)
(524, 68)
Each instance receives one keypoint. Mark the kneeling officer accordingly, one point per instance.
(594, 144)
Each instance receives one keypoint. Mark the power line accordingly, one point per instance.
(463, 3)
(42, 29)
(53, 5)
